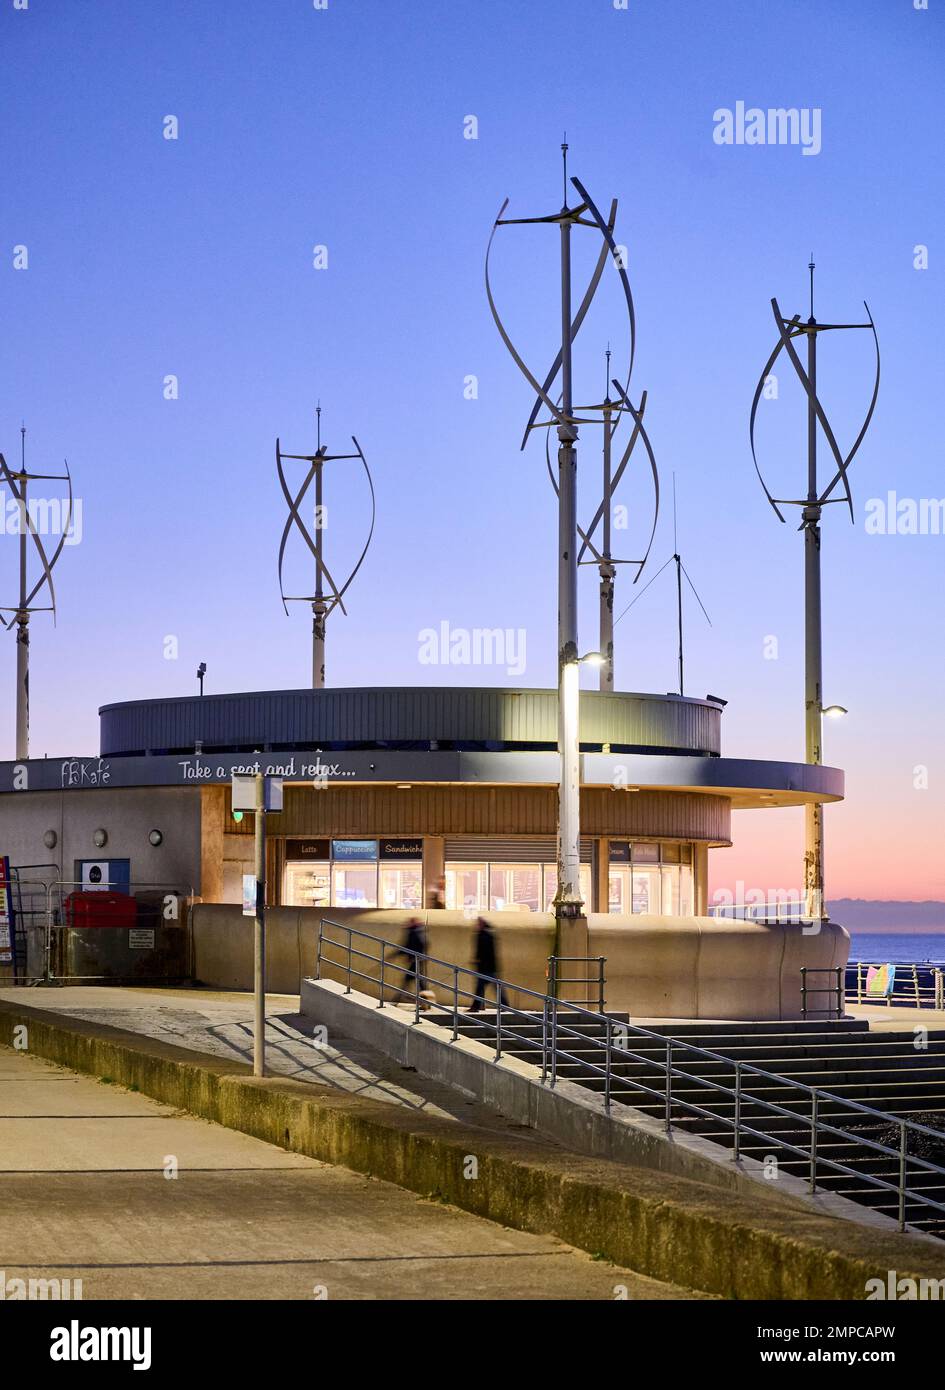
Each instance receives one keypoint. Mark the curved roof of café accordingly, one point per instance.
(486, 719)
(455, 735)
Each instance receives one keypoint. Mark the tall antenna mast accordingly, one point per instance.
(812, 506)
(18, 484)
(327, 594)
(565, 421)
(681, 571)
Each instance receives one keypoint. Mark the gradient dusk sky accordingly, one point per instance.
(345, 127)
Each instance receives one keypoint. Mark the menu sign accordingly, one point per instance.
(306, 849)
(401, 849)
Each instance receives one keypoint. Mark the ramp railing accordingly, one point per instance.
(549, 1030)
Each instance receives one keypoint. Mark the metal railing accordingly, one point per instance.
(918, 986)
(776, 911)
(594, 980)
(555, 1020)
(834, 1010)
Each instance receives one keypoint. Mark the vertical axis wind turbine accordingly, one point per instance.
(565, 420)
(811, 509)
(680, 571)
(328, 595)
(611, 413)
(17, 483)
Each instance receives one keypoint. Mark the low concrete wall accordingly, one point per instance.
(657, 967)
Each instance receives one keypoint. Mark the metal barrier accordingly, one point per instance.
(915, 986)
(557, 982)
(553, 1017)
(834, 1010)
(45, 909)
(777, 912)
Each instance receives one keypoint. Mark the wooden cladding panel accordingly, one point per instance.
(353, 812)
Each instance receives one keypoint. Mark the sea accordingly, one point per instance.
(898, 948)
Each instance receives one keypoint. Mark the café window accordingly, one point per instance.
(515, 886)
(354, 871)
(506, 887)
(307, 885)
(401, 873)
(402, 886)
(649, 877)
(307, 878)
(466, 887)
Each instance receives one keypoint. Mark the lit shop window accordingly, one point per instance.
(354, 885)
(466, 887)
(507, 887)
(650, 878)
(354, 873)
(306, 885)
(515, 887)
(402, 886)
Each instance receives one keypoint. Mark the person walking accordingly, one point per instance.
(486, 964)
(415, 946)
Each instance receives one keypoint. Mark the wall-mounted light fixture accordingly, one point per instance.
(155, 837)
(99, 838)
(50, 839)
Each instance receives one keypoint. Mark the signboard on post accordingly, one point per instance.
(249, 895)
(243, 792)
(260, 794)
(6, 914)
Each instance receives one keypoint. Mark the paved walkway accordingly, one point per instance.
(86, 1195)
(897, 1018)
(220, 1023)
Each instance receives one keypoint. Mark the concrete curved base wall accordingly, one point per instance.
(704, 967)
(657, 967)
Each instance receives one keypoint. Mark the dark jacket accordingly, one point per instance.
(486, 959)
(415, 940)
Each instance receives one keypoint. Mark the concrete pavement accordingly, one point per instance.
(219, 1023)
(86, 1196)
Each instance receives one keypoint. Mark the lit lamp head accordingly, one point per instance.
(592, 659)
(835, 711)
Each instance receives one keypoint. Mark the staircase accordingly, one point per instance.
(882, 1070)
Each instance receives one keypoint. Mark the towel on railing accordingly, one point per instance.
(880, 980)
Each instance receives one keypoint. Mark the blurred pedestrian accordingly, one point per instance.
(486, 963)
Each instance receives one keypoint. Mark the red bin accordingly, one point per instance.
(100, 909)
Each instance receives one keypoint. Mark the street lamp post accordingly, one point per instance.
(567, 902)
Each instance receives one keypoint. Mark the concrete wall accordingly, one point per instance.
(128, 815)
(223, 945)
(706, 967)
(657, 967)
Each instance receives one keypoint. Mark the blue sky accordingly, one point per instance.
(344, 127)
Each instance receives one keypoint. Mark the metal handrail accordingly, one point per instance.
(556, 981)
(547, 1013)
(836, 989)
(777, 910)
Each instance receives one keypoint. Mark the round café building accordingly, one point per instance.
(400, 798)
